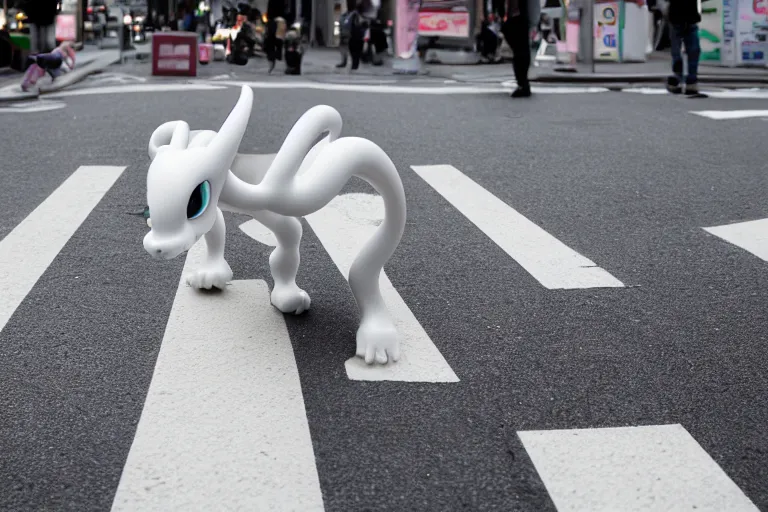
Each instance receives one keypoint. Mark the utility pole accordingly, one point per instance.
(591, 38)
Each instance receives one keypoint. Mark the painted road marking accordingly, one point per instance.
(404, 89)
(547, 259)
(30, 107)
(658, 467)
(224, 425)
(343, 227)
(136, 88)
(751, 236)
(32, 246)
(730, 114)
(719, 94)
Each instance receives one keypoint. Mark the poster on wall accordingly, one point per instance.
(444, 18)
(712, 29)
(727, 49)
(752, 31)
(607, 31)
(406, 37)
(66, 27)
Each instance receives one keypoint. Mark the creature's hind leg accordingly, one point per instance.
(284, 261)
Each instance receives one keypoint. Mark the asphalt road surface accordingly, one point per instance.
(574, 338)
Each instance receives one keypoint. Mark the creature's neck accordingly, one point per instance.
(241, 196)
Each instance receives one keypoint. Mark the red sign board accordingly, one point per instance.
(174, 54)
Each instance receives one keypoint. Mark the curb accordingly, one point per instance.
(605, 78)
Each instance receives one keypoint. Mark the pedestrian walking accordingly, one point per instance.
(42, 16)
(521, 17)
(684, 17)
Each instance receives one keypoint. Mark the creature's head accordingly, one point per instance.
(185, 180)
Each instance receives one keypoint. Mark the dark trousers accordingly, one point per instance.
(688, 35)
(515, 31)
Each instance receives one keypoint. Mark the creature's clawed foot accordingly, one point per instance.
(216, 274)
(290, 299)
(377, 340)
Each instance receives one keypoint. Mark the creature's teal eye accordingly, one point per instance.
(198, 201)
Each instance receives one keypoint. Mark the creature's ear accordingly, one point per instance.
(180, 137)
(163, 136)
(223, 148)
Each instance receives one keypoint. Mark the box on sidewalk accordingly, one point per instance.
(174, 54)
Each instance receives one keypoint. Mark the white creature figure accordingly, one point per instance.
(195, 175)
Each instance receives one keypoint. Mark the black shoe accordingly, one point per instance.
(521, 92)
(691, 89)
(673, 86)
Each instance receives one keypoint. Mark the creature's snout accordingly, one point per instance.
(165, 248)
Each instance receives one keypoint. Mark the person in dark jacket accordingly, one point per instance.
(683, 18)
(521, 16)
(41, 16)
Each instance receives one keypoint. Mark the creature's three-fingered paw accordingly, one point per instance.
(290, 299)
(377, 340)
(216, 274)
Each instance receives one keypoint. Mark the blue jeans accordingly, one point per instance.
(688, 35)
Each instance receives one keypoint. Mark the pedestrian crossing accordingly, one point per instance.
(226, 379)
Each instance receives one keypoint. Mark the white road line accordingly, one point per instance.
(32, 246)
(136, 88)
(552, 263)
(751, 236)
(719, 94)
(29, 107)
(343, 227)
(396, 89)
(224, 425)
(730, 114)
(758, 94)
(658, 467)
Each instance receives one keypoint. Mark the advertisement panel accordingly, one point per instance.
(607, 31)
(752, 30)
(445, 18)
(444, 24)
(66, 27)
(407, 28)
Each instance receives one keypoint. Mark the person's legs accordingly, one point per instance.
(34, 37)
(516, 34)
(675, 41)
(693, 52)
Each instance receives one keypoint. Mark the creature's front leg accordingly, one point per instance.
(215, 272)
(284, 262)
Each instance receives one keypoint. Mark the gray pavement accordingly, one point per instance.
(627, 180)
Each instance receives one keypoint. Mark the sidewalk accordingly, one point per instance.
(656, 69)
(319, 61)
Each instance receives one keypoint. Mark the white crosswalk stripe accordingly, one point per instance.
(751, 236)
(551, 262)
(720, 115)
(30, 248)
(656, 467)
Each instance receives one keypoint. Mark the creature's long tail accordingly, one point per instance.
(299, 149)
(324, 173)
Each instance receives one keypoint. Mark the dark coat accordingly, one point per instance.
(40, 12)
(683, 12)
